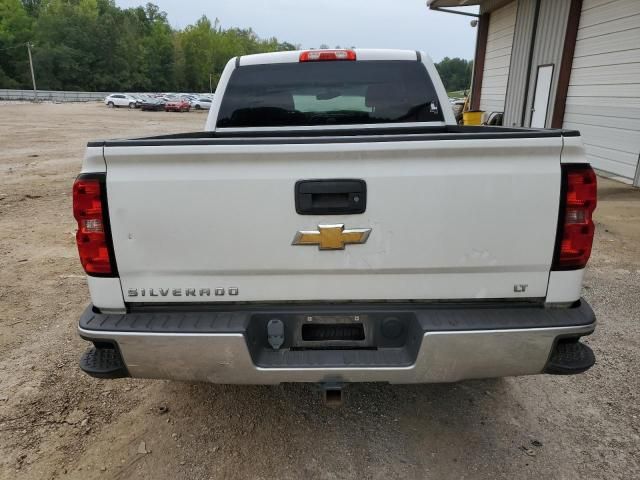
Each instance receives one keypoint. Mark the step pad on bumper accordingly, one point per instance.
(569, 358)
(103, 363)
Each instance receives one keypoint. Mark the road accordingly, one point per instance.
(56, 422)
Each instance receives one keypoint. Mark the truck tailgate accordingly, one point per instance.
(449, 219)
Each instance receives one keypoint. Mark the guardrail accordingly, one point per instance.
(63, 96)
(52, 95)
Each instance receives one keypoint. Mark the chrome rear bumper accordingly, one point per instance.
(442, 354)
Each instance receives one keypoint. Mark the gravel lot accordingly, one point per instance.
(56, 422)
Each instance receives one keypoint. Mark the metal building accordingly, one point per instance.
(563, 64)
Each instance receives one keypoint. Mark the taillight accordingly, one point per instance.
(92, 237)
(327, 55)
(575, 225)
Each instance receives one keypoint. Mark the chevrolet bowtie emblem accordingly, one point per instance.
(331, 237)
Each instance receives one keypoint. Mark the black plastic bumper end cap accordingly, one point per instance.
(570, 358)
(103, 363)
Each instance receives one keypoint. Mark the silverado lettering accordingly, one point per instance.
(178, 292)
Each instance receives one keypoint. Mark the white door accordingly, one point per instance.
(541, 96)
(123, 101)
(603, 100)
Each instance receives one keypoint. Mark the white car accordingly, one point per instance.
(120, 100)
(201, 103)
(334, 224)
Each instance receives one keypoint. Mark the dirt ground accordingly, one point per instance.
(56, 422)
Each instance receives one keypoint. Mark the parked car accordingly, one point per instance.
(177, 105)
(140, 99)
(458, 107)
(153, 104)
(332, 226)
(120, 100)
(201, 103)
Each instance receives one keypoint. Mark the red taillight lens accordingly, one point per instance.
(90, 211)
(576, 228)
(327, 55)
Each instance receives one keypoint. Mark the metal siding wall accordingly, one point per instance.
(498, 58)
(491, 5)
(515, 98)
(552, 26)
(603, 101)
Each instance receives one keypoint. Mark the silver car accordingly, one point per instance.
(201, 103)
(120, 100)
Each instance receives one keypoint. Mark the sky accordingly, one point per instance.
(361, 23)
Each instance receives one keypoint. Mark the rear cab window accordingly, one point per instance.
(329, 93)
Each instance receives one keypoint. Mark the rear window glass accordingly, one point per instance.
(329, 93)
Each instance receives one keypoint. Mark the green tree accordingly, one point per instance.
(33, 6)
(15, 32)
(66, 44)
(203, 49)
(455, 73)
(159, 50)
(95, 45)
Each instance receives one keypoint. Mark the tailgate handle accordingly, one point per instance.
(330, 197)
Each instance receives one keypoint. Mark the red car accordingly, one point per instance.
(178, 105)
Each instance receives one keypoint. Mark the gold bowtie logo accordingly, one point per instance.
(331, 237)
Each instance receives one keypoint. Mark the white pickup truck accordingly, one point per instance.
(333, 224)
